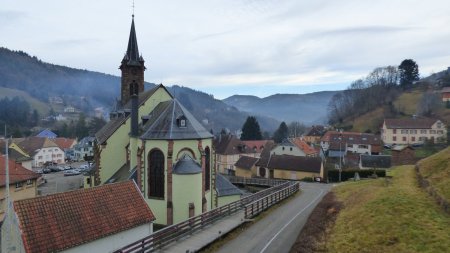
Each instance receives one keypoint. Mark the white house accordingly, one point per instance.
(42, 150)
(413, 131)
(84, 149)
(99, 219)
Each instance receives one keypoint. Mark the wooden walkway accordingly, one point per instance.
(207, 235)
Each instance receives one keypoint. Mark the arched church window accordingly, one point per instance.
(207, 168)
(156, 174)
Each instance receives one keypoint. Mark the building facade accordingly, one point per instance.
(413, 131)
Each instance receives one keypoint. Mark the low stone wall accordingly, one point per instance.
(424, 183)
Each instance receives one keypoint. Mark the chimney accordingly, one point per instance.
(134, 92)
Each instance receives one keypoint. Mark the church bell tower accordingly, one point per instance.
(132, 67)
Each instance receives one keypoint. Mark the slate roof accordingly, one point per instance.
(410, 123)
(225, 187)
(132, 57)
(46, 133)
(265, 155)
(246, 162)
(107, 130)
(336, 153)
(64, 220)
(186, 165)
(295, 163)
(32, 144)
(17, 173)
(163, 123)
(376, 161)
(121, 174)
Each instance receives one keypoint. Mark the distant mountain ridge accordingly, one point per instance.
(307, 108)
(87, 89)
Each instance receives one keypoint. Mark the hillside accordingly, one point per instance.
(384, 216)
(405, 105)
(41, 107)
(436, 169)
(307, 108)
(35, 81)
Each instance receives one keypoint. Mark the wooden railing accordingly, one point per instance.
(256, 207)
(255, 181)
(174, 232)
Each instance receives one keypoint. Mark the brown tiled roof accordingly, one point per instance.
(107, 130)
(301, 144)
(316, 131)
(257, 145)
(17, 173)
(246, 162)
(32, 144)
(295, 163)
(409, 123)
(445, 90)
(229, 145)
(64, 220)
(64, 143)
(351, 138)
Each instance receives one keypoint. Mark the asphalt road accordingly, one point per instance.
(278, 231)
(57, 182)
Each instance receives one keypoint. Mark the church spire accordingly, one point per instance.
(132, 56)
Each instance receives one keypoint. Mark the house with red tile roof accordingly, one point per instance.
(296, 147)
(445, 93)
(413, 130)
(314, 134)
(99, 219)
(22, 183)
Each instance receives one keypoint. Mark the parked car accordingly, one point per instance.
(72, 172)
(46, 170)
(40, 171)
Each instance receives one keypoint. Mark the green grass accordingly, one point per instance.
(407, 102)
(436, 169)
(388, 217)
(40, 106)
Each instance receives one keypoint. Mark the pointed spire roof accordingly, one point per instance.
(132, 55)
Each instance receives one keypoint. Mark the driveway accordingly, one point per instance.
(278, 231)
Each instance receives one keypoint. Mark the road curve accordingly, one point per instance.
(278, 231)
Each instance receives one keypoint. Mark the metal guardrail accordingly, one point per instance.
(255, 181)
(174, 232)
(259, 205)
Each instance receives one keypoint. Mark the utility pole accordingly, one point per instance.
(340, 155)
(8, 215)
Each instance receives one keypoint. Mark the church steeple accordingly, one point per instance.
(132, 67)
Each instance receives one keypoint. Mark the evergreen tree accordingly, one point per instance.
(81, 129)
(251, 130)
(409, 72)
(281, 133)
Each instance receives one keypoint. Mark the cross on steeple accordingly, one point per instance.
(133, 9)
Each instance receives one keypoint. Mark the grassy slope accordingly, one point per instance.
(436, 169)
(406, 103)
(395, 218)
(41, 107)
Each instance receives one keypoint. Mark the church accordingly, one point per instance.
(154, 140)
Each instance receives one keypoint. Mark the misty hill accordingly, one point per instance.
(35, 81)
(307, 108)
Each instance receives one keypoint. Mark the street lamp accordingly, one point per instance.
(340, 155)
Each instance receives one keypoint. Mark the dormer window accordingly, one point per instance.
(182, 121)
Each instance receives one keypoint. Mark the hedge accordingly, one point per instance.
(333, 175)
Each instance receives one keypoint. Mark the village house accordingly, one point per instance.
(47, 133)
(154, 140)
(226, 192)
(20, 158)
(100, 219)
(256, 147)
(352, 142)
(413, 131)
(314, 134)
(22, 183)
(84, 149)
(41, 149)
(246, 166)
(445, 93)
(290, 167)
(403, 154)
(67, 145)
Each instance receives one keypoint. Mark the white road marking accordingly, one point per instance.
(289, 222)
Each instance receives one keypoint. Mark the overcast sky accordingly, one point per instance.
(226, 47)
